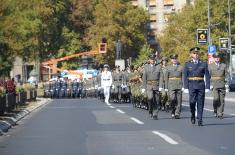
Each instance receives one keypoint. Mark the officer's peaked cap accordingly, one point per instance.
(106, 66)
(152, 57)
(216, 55)
(195, 49)
(164, 59)
(174, 56)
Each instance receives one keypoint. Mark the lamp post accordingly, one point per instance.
(230, 39)
(209, 22)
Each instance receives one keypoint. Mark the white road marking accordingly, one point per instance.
(165, 137)
(120, 111)
(207, 109)
(112, 107)
(136, 120)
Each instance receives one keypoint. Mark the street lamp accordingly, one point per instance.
(209, 23)
(230, 38)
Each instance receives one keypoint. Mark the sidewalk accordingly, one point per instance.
(10, 120)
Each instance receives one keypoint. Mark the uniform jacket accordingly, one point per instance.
(174, 72)
(196, 70)
(218, 71)
(106, 79)
(117, 78)
(152, 73)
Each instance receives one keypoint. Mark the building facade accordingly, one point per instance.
(159, 11)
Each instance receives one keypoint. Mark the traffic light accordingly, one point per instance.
(202, 36)
(223, 43)
(102, 47)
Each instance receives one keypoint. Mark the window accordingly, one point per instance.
(135, 3)
(153, 18)
(168, 2)
(152, 3)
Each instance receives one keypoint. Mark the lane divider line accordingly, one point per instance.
(165, 137)
(207, 109)
(112, 107)
(137, 121)
(120, 111)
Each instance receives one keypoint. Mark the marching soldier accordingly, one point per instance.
(194, 73)
(173, 84)
(106, 82)
(117, 81)
(219, 84)
(126, 91)
(164, 96)
(152, 78)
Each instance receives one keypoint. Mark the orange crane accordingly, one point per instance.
(50, 64)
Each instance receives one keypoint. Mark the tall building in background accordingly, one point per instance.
(159, 11)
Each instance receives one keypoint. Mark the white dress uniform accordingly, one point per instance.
(106, 82)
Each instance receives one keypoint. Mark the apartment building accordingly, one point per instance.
(159, 10)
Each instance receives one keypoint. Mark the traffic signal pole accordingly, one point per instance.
(209, 23)
(230, 39)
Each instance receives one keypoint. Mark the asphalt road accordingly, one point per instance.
(91, 127)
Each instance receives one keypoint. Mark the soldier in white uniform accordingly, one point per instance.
(106, 82)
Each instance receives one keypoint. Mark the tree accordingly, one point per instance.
(180, 34)
(117, 20)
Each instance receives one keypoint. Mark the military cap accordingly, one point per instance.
(174, 56)
(216, 55)
(152, 57)
(195, 49)
(164, 59)
(106, 66)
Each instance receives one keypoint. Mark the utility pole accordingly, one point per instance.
(209, 23)
(230, 39)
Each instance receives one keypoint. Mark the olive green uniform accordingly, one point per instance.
(219, 78)
(152, 78)
(173, 82)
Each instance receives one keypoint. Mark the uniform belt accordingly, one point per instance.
(174, 78)
(196, 78)
(152, 81)
(217, 78)
(106, 79)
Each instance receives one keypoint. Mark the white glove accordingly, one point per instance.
(166, 89)
(207, 90)
(182, 89)
(186, 91)
(112, 86)
(160, 89)
(211, 87)
(96, 86)
(142, 90)
(122, 85)
(227, 88)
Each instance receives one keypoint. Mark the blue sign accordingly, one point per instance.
(211, 49)
(63, 73)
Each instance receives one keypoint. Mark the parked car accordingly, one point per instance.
(232, 83)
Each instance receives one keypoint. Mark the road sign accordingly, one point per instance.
(211, 49)
(102, 47)
(202, 36)
(223, 43)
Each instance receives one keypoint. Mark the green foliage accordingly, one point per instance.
(143, 55)
(117, 20)
(180, 35)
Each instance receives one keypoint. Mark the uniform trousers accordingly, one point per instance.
(197, 96)
(106, 93)
(175, 99)
(153, 97)
(218, 100)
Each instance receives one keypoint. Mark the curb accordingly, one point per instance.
(226, 99)
(8, 122)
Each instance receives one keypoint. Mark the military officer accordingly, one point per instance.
(152, 78)
(164, 96)
(173, 84)
(117, 81)
(106, 82)
(194, 73)
(219, 84)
